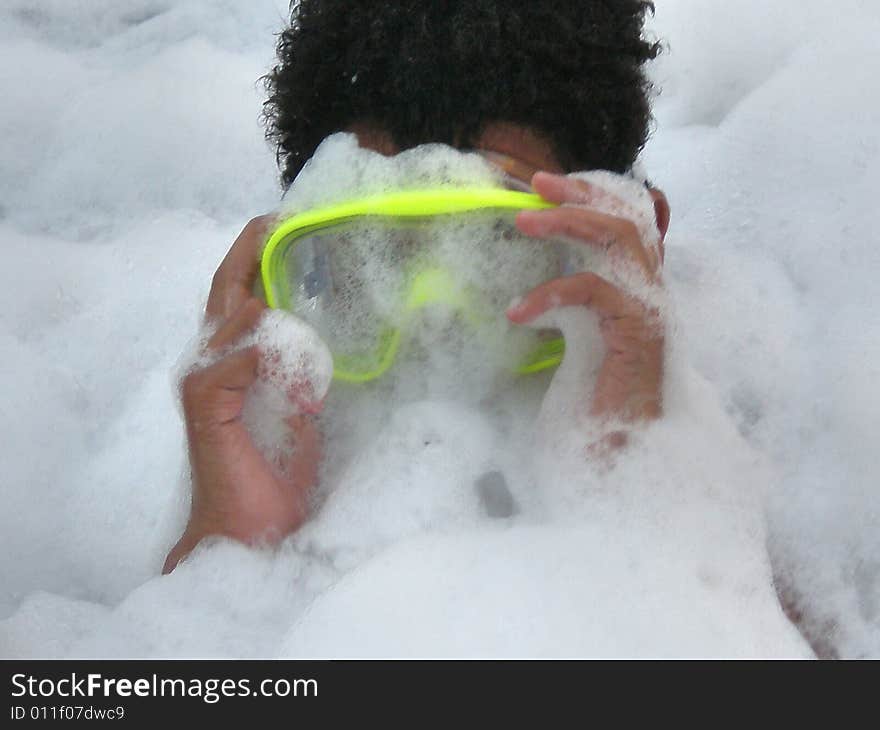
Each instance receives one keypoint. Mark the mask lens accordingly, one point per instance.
(375, 284)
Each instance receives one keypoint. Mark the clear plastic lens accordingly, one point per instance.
(440, 281)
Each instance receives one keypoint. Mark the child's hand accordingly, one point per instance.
(629, 383)
(236, 491)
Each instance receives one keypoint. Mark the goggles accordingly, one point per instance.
(368, 273)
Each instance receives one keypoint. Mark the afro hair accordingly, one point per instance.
(439, 71)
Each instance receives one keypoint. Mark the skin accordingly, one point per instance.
(238, 494)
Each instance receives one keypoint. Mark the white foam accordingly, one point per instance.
(771, 381)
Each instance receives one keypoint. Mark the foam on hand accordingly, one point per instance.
(294, 376)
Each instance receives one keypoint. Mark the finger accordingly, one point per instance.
(585, 290)
(237, 371)
(234, 280)
(244, 320)
(305, 459)
(215, 395)
(617, 236)
(302, 394)
(562, 189)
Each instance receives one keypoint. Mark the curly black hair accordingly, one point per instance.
(440, 70)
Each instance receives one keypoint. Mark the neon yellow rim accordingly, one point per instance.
(401, 205)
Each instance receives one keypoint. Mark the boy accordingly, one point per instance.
(541, 89)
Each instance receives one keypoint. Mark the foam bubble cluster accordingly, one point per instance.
(293, 378)
(459, 513)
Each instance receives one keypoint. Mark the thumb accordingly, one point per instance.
(216, 393)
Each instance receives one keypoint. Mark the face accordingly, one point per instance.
(520, 151)
(519, 143)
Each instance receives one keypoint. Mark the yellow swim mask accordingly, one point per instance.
(357, 272)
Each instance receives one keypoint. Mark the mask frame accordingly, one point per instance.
(405, 207)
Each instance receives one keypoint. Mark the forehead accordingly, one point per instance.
(522, 144)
